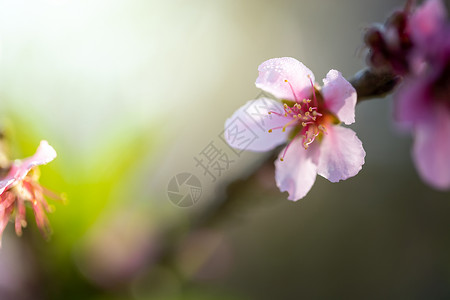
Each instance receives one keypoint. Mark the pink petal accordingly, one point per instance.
(341, 154)
(44, 154)
(248, 128)
(340, 96)
(296, 174)
(432, 148)
(6, 183)
(427, 21)
(413, 102)
(41, 220)
(274, 72)
(4, 219)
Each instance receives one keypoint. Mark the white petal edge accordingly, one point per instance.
(248, 128)
(339, 96)
(274, 72)
(341, 154)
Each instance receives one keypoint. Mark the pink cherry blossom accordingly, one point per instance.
(309, 119)
(423, 101)
(21, 186)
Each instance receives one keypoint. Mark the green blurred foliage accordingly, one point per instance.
(90, 184)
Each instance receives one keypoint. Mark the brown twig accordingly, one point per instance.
(374, 84)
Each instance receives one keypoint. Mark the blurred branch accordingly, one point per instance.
(229, 201)
(374, 84)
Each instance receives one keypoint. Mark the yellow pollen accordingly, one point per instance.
(285, 114)
(310, 109)
(307, 113)
(294, 116)
(299, 115)
(281, 159)
(309, 101)
(285, 105)
(270, 130)
(270, 113)
(304, 101)
(303, 124)
(285, 80)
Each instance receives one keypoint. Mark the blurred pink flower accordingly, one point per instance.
(390, 43)
(309, 118)
(423, 101)
(401, 44)
(20, 186)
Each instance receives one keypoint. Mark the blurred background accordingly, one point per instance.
(131, 93)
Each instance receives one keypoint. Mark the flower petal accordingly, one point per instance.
(432, 147)
(248, 128)
(427, 21)
(44, 154)
(274, 72)
(296, 174)
(6, 182)
(339, 96)
(341, 154)
(413, 102)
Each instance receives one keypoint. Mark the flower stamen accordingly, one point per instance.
(292, 89)
(314, 91)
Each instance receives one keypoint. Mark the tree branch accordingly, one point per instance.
(374, 84)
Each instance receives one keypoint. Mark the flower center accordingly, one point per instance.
(304, 117)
